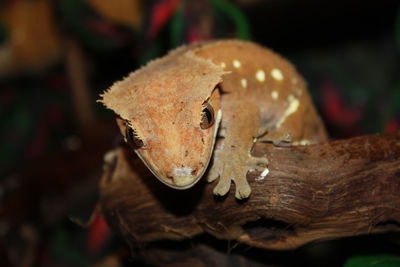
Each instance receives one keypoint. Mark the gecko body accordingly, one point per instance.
(198, 111)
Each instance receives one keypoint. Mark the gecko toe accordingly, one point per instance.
(212, 176)
(221, 190)
(243, 192)
(211, 179)
(214, 172)
(243, 189)
(260, 162)
(223, 186)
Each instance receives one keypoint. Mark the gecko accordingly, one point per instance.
(198, 111)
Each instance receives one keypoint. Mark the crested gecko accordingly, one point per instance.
(174, 110)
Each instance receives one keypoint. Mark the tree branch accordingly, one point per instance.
(325, 191)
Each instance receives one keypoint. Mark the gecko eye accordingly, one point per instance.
(132, 138)
(207, 116)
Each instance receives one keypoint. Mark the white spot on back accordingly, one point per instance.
(293, 106)
(274, 95)
(277, 74)
(260, 75)
(236, 63)
(243, 82)
(223, 65)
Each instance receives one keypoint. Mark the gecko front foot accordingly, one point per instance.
(234, 168)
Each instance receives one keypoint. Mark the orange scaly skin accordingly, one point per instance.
(256, 96)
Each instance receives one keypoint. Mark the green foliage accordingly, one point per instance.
(176, 27)
(395, 100)
(236, 15)
(378, 260)
(67, 245)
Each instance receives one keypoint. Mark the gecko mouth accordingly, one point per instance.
(180, 178)
(185, 177)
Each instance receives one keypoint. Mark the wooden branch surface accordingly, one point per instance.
(325, 191)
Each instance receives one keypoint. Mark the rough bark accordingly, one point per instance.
(325, 191)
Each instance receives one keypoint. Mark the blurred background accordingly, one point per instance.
(57, 56)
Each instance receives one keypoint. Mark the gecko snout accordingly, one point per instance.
(183, 176)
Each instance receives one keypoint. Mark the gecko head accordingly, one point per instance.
(169, 113)
(177, 143)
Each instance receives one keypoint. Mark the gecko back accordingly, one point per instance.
(264, 78)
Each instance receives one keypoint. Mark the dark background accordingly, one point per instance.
(56, 57)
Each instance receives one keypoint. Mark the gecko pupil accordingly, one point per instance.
(207, 119)
(131, 135)
(208, 115)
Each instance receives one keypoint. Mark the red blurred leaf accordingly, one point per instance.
(392, 126)
(334, 108)
(98, 234)
(161, 13)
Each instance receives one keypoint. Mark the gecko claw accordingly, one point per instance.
(212, 175)
(242, 192)
(221, 190)
(223, 186)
